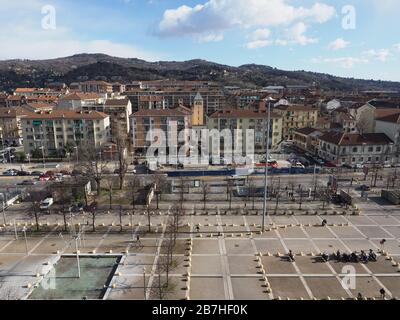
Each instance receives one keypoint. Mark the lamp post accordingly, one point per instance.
(144, 282)
(4, 211)
(44, 162)
(77, 154)
(269, 99)
(26, 242)
(77, 255)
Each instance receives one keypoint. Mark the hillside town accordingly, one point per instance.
(343, 129)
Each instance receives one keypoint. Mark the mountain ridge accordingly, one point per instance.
(79, 67)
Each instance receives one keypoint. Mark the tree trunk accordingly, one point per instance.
(36, 218)
(65, 221)
(93, 221)
(120, 218)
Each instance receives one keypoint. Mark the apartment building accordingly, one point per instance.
(356, 149)
(296, 117)
(119, 111)
(10, 124)
(3, 100)
(249, 119)
(143, 121)
(164, 97)
(54, 130)
(79, 100)
(307, 139)
(390, 125)
(96, 86)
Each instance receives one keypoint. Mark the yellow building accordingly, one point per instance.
(198, 111)
(250, 119)
(296, 117)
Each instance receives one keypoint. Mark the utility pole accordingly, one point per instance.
(266, 166)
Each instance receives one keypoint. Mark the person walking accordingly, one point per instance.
(383, 293)
(382, 243)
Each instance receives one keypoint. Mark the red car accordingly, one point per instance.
(44, 177)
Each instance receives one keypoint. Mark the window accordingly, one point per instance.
(378, 149)
(353, 160)
(370, 149)
(355, 149)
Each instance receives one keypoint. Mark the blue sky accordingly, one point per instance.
(287, 34)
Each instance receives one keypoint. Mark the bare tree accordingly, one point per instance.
(92, 208)
(110, 188)
(205, 190)
(161, 183)
(34, 197)
(133, 188)
(122, 158)
(92, 164)
(229, 190)
(63, 197)
(252, 192)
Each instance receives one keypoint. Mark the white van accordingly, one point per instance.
(46, 203)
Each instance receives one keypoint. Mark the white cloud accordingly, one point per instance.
(338, 44)
(27, 40)
(381, 54)
(256, 44)
(296, 34)
(212, 37)
(221, 15)
(259, 39)
(397, 47)
(344, 62)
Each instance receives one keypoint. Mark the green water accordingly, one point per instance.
(65, 284)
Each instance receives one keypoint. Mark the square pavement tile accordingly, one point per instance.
(273, 246)
(206, 246)
(319, 232)
(239, 246)
(202, 288)
(292, 232)
(360, 220)
(393, 231)
(324, 287)
(367, 286)
(391, 246)
(330, 245)
(298, 246)
(278, 265)
(206, 265)
(346, 232)
(392, 284)
(374, 232)
(358, 245)
(384, 220)
(248, 289)
(382, 266)
(288, 287)
(312, 265)
(242, 265)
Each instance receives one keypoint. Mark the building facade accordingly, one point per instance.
(53, 131)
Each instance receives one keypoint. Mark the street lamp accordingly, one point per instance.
(44, 162)
(144, 282)
(77, 155)
(269, 99)
(26, 242)
(77, 255)
(4, 211)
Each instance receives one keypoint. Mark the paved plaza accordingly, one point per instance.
(226, 257)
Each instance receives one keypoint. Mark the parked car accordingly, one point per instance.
(44, 177)
(36, 173)
(23, 173)
(27, 183)
(75, 173)
(10, 173)
(46, 203)
(364, 188)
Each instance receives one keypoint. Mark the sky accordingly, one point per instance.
(350, 38)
